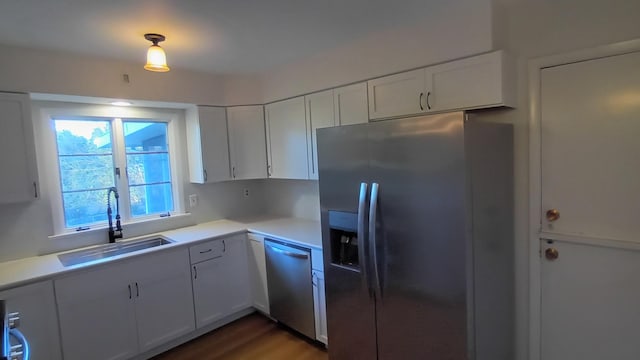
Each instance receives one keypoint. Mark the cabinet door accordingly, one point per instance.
(258, 273)
(320, 307)
(320, 114)
(247, 142)
(350, 104)
(18, 180)
(475, 82)
(287, 139)
(97, 314)
(208, 145)
(209, 296)
(590, 299)
(397, 95)
(38, 318)
(236, 274)
(163, 297)
(589, 137)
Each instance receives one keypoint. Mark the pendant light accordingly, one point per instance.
(156, 58)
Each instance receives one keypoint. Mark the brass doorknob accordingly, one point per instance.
(553, 215)
(551, 254)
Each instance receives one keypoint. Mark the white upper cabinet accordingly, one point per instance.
(476, 82)
(350, 104)
(320, 114)
(287, 139)
(208, 147)
(18, 182)
(247, 142)
(398, 94)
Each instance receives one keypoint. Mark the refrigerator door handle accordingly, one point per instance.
(362, 208)
(373, 215)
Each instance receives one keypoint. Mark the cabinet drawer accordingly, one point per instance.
(206, 250)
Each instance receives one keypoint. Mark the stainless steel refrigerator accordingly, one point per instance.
(417, 229)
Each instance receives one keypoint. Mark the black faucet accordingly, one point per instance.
(117, 233)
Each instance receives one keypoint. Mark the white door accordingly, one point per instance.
(350, 104)
(258, 273)
(590, 303)
(163, 297)
(38, 317)
(397, 95)
(320, 114)
(208, 146)
(236, 285)
(17, 147)
(209, 296)
(97, 314)
(591, 195)
(320, 306)
(247, 142)
(466, 84)
(287, 139)
(589, 132)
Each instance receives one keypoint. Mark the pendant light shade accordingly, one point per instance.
(156, 58)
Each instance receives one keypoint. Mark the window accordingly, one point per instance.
(97, 153)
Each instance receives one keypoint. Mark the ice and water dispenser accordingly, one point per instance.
(343, 232)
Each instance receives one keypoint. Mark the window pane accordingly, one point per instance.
(83, 137)
(145, 136)
(148, 168)
(86, 172)
(151, 199)
(85, 207)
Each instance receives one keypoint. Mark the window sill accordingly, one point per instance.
(141, 227)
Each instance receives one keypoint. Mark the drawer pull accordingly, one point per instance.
(206, 251)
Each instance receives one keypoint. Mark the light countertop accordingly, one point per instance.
(298, 231)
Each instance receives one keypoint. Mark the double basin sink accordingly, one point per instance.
(109, 250)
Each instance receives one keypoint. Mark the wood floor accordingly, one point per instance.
(251, 338)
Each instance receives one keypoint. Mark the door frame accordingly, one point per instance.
(535, 66)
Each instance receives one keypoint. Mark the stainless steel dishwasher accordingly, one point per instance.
(290, 287)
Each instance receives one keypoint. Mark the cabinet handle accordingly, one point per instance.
(420, 101)
(205, 174)
(206, 251)
(129, 290)
(195, 272)
(137, 290)
(35, 190)
(233, 172)
(428, 96)
(224, 246)
(268, 170)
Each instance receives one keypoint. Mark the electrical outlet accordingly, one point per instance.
(246, 192)
(193, 200)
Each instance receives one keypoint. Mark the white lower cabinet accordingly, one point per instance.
(258, 273)
(320, 306)
(122, 309)
(36, 305)
(221, 281)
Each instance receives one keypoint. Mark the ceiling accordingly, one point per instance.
(217, 36)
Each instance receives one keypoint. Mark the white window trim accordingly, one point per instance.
(48, 154)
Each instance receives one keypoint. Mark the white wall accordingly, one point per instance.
(40, 71)
(449, 30)
(292, 198)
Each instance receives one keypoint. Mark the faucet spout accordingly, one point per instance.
(117, 232)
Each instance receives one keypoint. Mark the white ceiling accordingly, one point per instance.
(219, 36)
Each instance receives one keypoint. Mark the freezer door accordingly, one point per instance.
(420, 269)
(343, 168)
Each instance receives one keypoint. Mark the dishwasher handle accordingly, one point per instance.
(289, 253)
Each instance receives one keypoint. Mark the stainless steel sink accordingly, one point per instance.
(109, 250)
